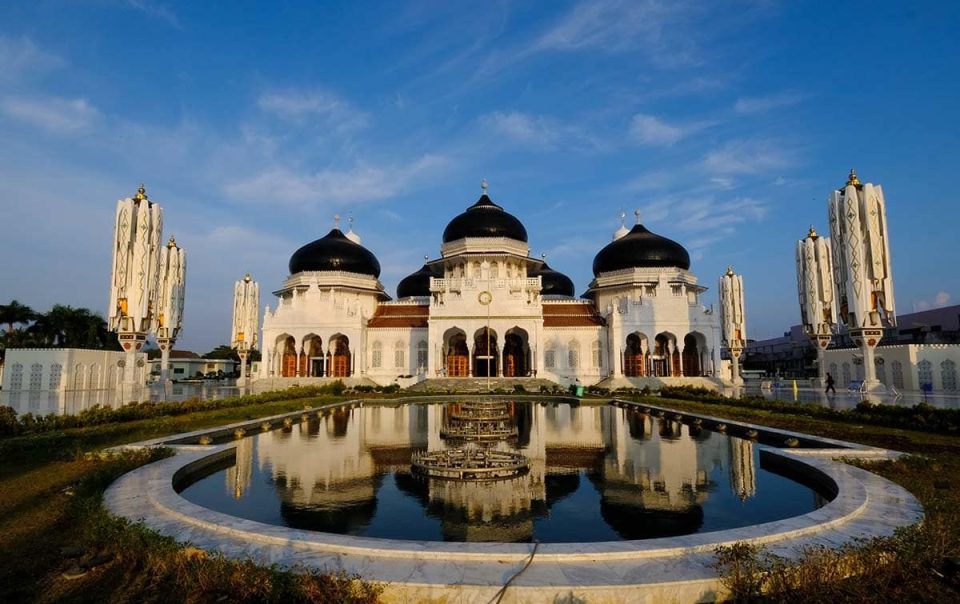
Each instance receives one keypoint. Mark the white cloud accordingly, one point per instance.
(652, 26)
(20, 57)
(761, 104)
(157, 10)
(750, 156)
(362, 183)
(651, 130)
(53, 114)
(523, 127)
(300, 106)
(940, 300)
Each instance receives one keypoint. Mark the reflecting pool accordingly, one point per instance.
(596, 473)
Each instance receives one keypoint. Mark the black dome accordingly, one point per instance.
(484, 219)
(554, 282)
(640, 249)
(334, 252)
(416, 284)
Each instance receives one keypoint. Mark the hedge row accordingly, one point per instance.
(922, 416)
(11, 424)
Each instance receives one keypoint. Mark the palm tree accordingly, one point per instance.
(15, 314)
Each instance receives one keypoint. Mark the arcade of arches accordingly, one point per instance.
(311, 360)
(486, 357)
(665, 358)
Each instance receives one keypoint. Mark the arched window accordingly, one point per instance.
(896, 368)
(79, 379)
(597, 355)
(422, 355)
(882, 372)
(859, 370)
(376, 358)
(573, 354)
(16, 377)
(550, 357)
(399, 355)
(846, 374)
(494, 270)
(924, 373)
(56, 372)
(834, 371)
(36, 376)
(948, 375)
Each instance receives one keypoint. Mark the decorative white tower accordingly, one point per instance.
(732, 319)
(173, 270)
(861, 267)
(134, 282)
(246, 319)
(818, 309)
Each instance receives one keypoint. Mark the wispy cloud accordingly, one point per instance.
(652, 130)
(20, 57)
(300, 106)
(747, 156)
(613, 26)
(762, 104)
(940, 300)
(157, 10)
(332, 187)
(538, 130)
(53, 114)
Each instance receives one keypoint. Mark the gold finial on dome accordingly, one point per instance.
(852, 179)
(812, 234)
(729, 271)
(247, 278)
(141, 193)
(172, 242)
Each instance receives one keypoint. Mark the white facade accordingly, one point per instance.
(61, 369)
(902, 366)
(485, 305)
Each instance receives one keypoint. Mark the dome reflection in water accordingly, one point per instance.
(596, 473)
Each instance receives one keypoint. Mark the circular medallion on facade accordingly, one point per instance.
(485, 298)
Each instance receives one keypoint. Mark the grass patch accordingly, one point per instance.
(52, 522)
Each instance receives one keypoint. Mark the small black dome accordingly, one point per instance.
(416, 284)
(484, 219)
(334, 252)
(640, 249)
(554, 282)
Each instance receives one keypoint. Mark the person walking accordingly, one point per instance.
(830, 383)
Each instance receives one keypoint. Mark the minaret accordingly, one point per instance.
(861, 267)
(818, 309)
(173, 270)
(246, 319)
(732, 319)
(134, 282)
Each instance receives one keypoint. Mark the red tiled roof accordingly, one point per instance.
(400, 316)
(571, 315)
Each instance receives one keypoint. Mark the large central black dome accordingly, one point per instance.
(334, 252)
(484, 219)
(640, 249)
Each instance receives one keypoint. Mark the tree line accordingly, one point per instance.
(61, 327)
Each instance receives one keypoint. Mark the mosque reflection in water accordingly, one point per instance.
(596, 473)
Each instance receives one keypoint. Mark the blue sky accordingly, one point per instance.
(726, 123)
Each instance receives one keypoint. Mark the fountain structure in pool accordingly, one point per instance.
(455, 497)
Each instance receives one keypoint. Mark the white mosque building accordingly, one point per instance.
(485, 307)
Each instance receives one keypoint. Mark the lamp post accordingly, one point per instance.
(816, 292)
(173, 269)
(485, 298)
(733, 320)
(861, 267)
(246, 320)
(138, 227)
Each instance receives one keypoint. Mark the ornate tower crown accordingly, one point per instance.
(852, 179)
(141, 193)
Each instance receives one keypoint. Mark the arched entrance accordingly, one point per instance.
(338, 355)
(516, 353)
(486, 353)
(691, 356)
(456, 354)
(635, 355)
(311, 365)
(666, 357)
(288, 356)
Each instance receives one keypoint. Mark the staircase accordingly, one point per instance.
(460, 385)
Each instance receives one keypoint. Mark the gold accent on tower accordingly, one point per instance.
(141, 193)
(852, 179)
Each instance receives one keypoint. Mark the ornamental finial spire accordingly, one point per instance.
(812, 234)
(336, 221)
(172, 242)
(484, 185)
(543, 256)
(852, 179)
(637, 214)
(141, 193)
(729, 271)
(247, 278)
(623, 216)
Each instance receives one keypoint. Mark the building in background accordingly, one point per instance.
(60, 369)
